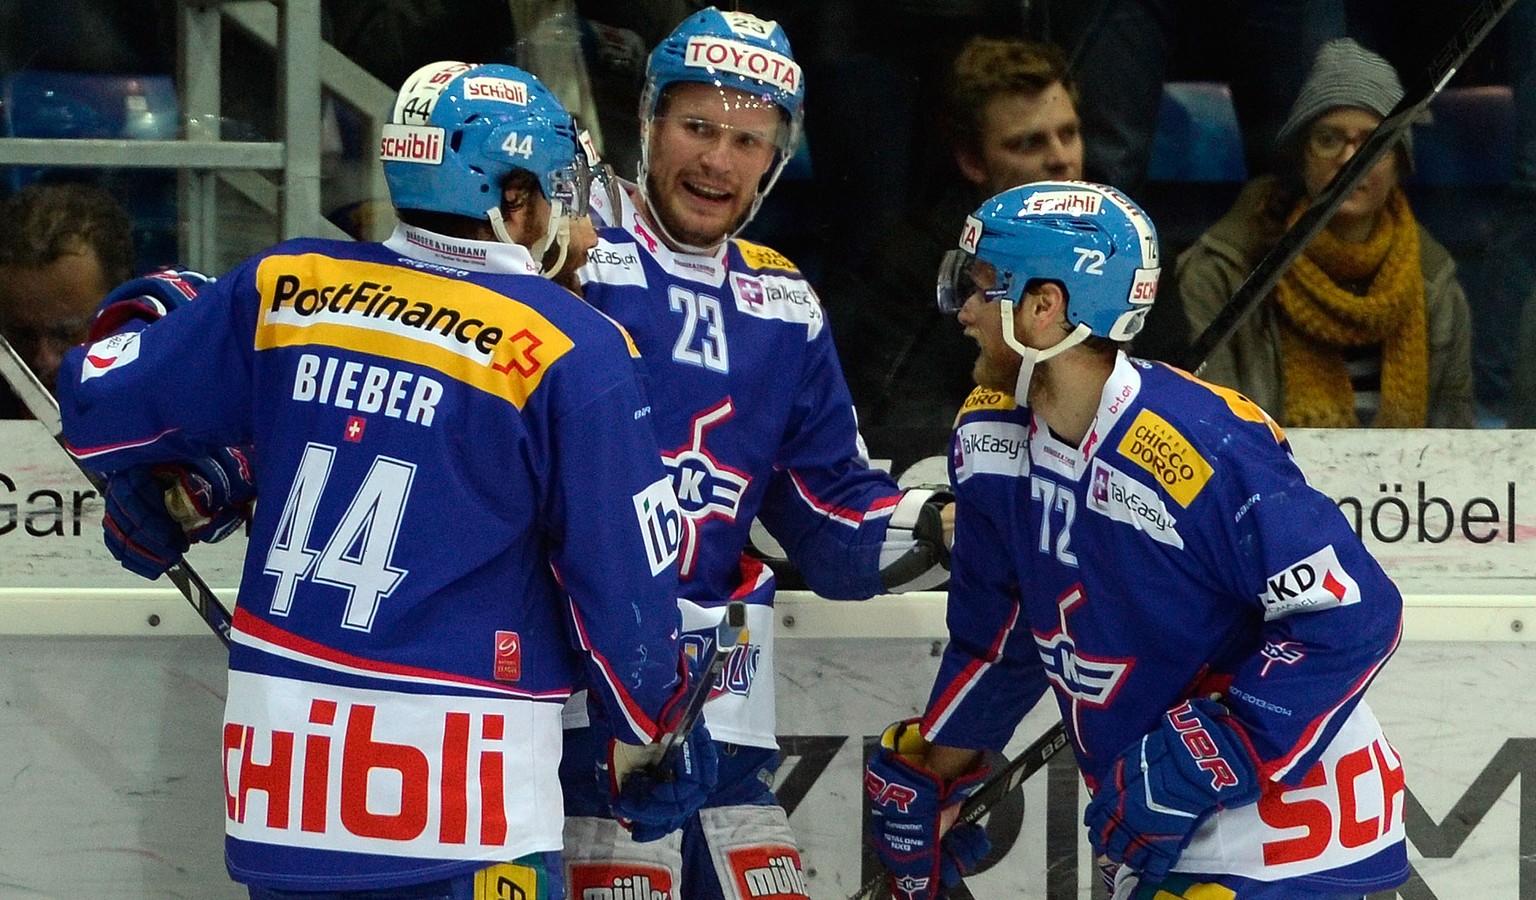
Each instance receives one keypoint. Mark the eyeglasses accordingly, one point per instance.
(60, 336)
(706, 133)
(1326, 142)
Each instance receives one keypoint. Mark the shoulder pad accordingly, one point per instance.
(756, 256)
(1240, 405)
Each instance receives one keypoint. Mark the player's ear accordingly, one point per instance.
(971, 166)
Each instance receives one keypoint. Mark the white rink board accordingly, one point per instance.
(111, 691)
(109, 768)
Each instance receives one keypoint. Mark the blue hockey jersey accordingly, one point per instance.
(754, 420)
(1178, 550)
(462, 516)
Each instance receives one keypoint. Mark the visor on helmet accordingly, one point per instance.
(962, 275)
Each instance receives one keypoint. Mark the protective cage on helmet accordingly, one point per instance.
(458, 129)
(1090, 238)
(730, 51)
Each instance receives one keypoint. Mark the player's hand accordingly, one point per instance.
(654, 802)
(140, 301)
(1162, 787)
(153, 514)
(911, 810)
(211, 497)
(653, 796)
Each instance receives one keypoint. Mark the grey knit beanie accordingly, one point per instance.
(1344, 74)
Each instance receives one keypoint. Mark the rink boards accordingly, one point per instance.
(111, 691)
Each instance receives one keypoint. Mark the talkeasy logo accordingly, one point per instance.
(483, 338)
(991, 448)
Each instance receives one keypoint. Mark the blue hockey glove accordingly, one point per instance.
(139, 301)
(658, 801)
(139, 532)
(655, 796)
(911, 809)
(1162, 787)
(211, 497)
(148, 533)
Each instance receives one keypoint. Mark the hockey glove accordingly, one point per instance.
(1159, 790)
(211, 497)
(916, 552)
(911, 810)
(655, 796)
(154, 513)
(137, 302)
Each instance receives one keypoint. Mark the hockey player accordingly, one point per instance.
(1143, 544)
(754, 420)
(464, 516)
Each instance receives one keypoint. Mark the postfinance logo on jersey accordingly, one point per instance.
(1156, 446)
(475, 335)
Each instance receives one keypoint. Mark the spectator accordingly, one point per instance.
(1010, 118)
(62, 248)
(1369, 327)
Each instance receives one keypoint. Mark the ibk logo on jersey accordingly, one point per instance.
(1089, 680)
(1316, 582)
(110, 353)
(706, 488)
(619, 881)
(769, 871)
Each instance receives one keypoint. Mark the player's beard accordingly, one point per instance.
(997, 372)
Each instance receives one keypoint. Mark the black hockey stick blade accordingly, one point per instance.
(1421, 91)
(727, 635)
(24, 384)
(992, 791)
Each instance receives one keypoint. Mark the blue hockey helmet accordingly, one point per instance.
(734, 50)
(457, 129)
(1089, 238)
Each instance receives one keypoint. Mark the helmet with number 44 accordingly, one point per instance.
(458, 129)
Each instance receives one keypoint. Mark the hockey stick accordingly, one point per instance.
(23, 382)
(1267, 274)
(992, 791)
(731, 631)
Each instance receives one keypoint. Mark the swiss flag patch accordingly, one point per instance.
(355, 427)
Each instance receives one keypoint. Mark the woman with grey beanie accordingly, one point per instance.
(1369, 327)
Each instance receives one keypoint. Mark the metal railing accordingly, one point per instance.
(292, 192)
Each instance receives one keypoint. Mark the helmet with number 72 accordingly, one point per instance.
(1089, 238)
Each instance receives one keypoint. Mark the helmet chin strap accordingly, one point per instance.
(1031, 356)
(557, 231)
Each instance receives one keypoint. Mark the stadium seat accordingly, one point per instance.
(1196, 137)
(1468, 140)
(47, 104)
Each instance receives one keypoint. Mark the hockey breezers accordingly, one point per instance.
(1415, 101)
(992, 791)
(23, 382)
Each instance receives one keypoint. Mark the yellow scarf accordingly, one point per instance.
(1319, 318)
